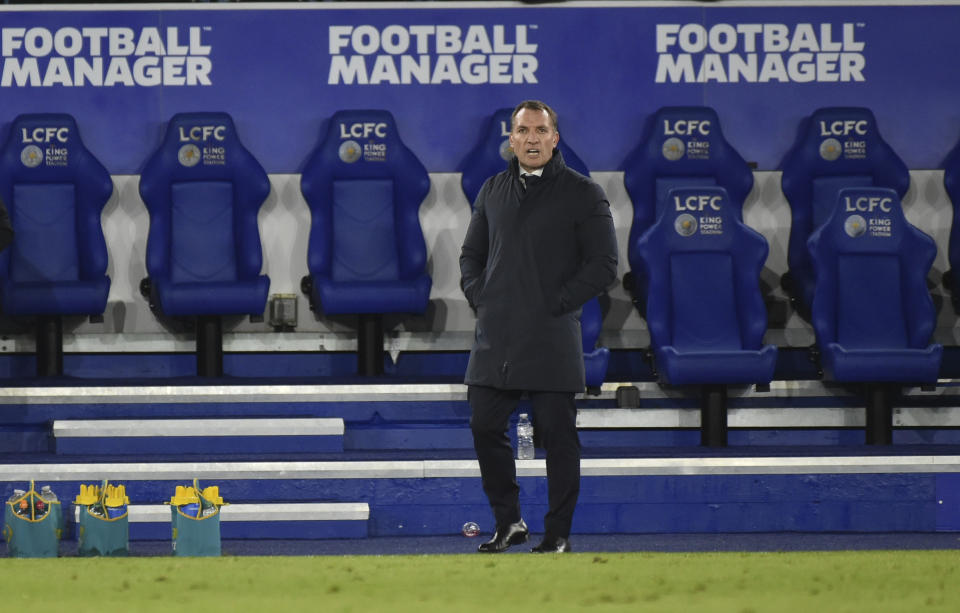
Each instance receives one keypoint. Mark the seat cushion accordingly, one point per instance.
(213, 298)
(56, 298)
(701, 367)
(874, 365)
(342, 297)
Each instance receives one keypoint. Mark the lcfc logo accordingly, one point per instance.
(685, 224)
(188, 155)
(673, 149)
(855, 226)
(350, 151)
(830, 149)
(31, 156)
(506, 151)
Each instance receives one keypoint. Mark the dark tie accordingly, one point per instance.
(529, 180)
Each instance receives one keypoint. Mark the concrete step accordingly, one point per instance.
(289, 520)
(195, 436)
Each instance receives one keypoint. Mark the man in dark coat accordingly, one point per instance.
(536, 250)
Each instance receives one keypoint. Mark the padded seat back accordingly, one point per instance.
(55, 191)
(871, 268)
(951, 181)
(837, 148)
(703, 266)
(203, 190)
(364, 188)
(681, 147)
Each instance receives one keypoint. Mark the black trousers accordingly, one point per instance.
(555, 427)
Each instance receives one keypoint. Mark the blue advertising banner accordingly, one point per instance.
(282, 69)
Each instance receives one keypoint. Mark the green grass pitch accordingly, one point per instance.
(818, 582)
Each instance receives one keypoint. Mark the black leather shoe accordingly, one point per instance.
(503, 538)
(553, 544)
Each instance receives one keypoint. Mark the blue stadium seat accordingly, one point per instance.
(951, 181)
(836, 147)
(55, 191)
(681, 147)
(705, 310)
(872, 311)
(203, 191)
(489, 157)
(366, 254)
(596, 359)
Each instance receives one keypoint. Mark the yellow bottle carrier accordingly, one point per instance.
(195, 515)
(33, 523)
(104, 523)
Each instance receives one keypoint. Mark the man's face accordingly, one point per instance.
(533, 138)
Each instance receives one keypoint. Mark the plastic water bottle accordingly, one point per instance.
(21, 508)
(471, 529)
(524, 438)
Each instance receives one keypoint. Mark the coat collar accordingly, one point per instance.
(553, 167)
